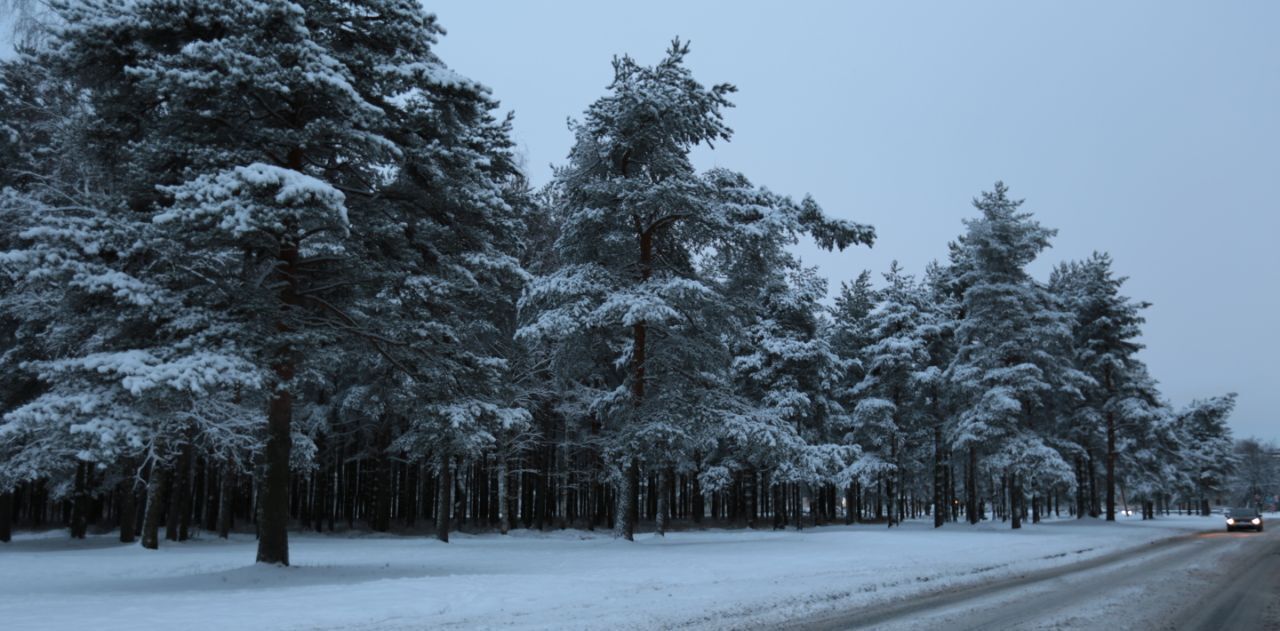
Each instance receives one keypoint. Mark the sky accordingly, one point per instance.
(1149, 130)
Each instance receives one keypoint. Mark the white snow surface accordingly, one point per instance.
(565, 579)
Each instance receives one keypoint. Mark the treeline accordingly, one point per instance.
(275, 264)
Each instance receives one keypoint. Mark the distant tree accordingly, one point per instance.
(1206, 437)
(1257, 474)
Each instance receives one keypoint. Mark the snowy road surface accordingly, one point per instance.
(1201, 582)
(570, 579)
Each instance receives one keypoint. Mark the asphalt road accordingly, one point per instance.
(1213, 580)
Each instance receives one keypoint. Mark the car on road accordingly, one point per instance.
(1244, 519)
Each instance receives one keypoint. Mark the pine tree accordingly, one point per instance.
(1207, 439)
(1011, 349)
(1107, 325)
(636, 219)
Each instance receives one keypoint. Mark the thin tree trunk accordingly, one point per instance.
(151, 518)
(1015, 501)
(444, 500)
(664, 503)
(971, 487)
(939, 480)
(128, 505)
(184, 500)
(1093, 488)
(226, 503)
(504, 521)
(80, 502)
(382, 497)
(1111, 466)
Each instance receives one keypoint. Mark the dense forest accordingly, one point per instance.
(273, 266)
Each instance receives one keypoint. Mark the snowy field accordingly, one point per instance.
(564, 579)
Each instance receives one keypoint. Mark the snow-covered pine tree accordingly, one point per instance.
(90, 314)
(440, 244)
(885, 413)
(784, 370)
(1206, 436)
(1012, 345)
(258, 124)
(637, 218)
(1105, 331)
(933, 392)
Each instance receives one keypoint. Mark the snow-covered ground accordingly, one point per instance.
(558, 580)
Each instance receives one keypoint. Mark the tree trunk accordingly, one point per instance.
(226, 504)
(1015, 501)
(6, 516)
(971, 487)
(624, 523)
(939, 480)
(1111, 466)
(273, 515)
(1093, 488)
(212, 496)
(697, 501)
(128, 506)
(382, 498)
(151, 518)
(444, 500)
(273, 497)
(664, 503)
(184, 500)
(80, 502)
(504, 521)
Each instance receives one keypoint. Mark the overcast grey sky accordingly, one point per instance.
(1150, 130)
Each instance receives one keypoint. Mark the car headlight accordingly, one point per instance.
(1256, 521)
(1231, 522)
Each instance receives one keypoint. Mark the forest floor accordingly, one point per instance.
(567, 579)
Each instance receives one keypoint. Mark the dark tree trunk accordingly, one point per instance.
(664, 501)
(1081, 485)
(273, 495)
(971, 487)
(444, 500)
(1015, 501)
(629, 494)
(80, 502)
(128, 506)
(698, 502)
(1111, 466)
(226, 504)
(6, 516)
(173, 488)
(184, 500)
(939, 480)
(504, 506)
(273, 514)
(382, 500)
(1093, 488)
(408, 495)
(151, 518)
(212, 496)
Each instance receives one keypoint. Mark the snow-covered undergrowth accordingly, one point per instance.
(556, 580)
